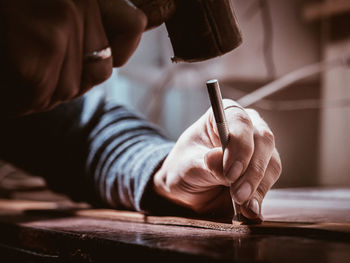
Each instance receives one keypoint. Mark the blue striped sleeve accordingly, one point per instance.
(89, 149)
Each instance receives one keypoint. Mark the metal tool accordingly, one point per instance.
(198, 30)
(221, 123)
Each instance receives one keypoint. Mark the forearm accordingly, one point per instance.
(92, 150)
(124, 154)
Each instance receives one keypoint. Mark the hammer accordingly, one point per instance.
(198, 29)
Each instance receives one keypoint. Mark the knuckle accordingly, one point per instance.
(137, 25)
(244, 118)
(254, 115)
(132, 28)
(242, 145)
(267, 137)
(258, 170)
(276, 166)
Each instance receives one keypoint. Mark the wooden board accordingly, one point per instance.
(305, 224)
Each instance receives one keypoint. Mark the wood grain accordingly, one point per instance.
(310, 210)
(307, 225)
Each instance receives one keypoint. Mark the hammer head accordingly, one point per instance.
(203, 29)
(198, 29)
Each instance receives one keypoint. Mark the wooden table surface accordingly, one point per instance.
(301, 225)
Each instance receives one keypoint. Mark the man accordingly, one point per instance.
(100, 152)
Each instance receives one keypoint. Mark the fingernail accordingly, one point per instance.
(243, 193)
(235, 171)
(254, 206)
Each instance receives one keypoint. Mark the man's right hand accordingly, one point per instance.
(44, 43)
(198, 175)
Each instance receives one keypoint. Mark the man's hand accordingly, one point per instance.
(198, 175)
(43, 45)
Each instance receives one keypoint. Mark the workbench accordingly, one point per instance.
(301, 225)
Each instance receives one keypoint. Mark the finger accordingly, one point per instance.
(39, 56)
(69, 80)
(240, 147)
(95, 39)
(213, 161)
(252, 208)
(124, 25)
(250, 180)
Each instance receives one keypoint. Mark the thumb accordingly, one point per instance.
(213, 162)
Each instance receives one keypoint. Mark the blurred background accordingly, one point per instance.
(310, 118)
